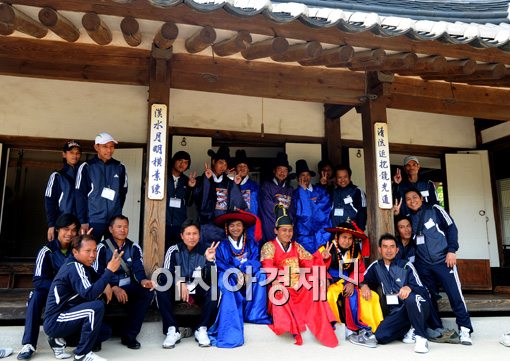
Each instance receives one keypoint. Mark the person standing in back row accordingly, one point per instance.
(101, 188)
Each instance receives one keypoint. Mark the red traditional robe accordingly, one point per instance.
(301, 310)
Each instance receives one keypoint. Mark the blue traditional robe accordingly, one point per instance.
(271, 194)
(250, 192)
(312, 216)
(235, 307)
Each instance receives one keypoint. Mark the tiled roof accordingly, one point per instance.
(479, 23)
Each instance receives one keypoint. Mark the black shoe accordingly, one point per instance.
(97, 347)
(132, 344)
(26, 352)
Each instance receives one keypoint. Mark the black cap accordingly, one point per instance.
(282, 218)
(302, 166)
(70, 145)
(222, 153)
(282, 160)
(240, 158)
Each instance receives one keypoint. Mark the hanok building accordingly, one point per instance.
(310, 77)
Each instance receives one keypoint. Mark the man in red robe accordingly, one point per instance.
(292, 305)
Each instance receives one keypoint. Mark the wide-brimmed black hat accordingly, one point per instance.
(282, 160)
(240, 158)
(302, 166)
(222, 153)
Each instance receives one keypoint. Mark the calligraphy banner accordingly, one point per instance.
(157, 155)
(382, 159)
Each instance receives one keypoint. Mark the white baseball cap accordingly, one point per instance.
(103, 138)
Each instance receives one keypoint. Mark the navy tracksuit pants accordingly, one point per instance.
(36, 302)
(139, 300)
(166, 301)
(85, 319)
(413, 312)
(440, 273)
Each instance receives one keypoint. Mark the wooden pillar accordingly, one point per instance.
(155, 210)
(373, 111)
(333, 139)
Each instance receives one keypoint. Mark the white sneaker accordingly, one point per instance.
(172, 337)
(202, 338)
(422, 345)
(91, 356)
(409, 337)
(505, 339)
(464, 336)
(58, 345)
(5, 351)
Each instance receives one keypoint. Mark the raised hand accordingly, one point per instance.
(207, 171)
(114, 263)
(324, 179)
(192, 182)
(397, 178)
(210, 253)
(396, 207)
(237, 178)
(327, 251)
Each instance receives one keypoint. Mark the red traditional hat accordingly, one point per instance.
(348, 227)
(247, 218)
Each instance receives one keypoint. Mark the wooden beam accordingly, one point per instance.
(342, 54)
(96, 28)
(393, 63)
(482, 72)
(362, 59)
(266, 48)
(260, 24)
(131, 31)
(333, 137)
(234, 45)
(428, 64)
(333, 111)
(155, 210)
(296, 52)
(372, 111)
(269, 80)
(166, 35)
(201, 40)
(59, 24)
(12, 17)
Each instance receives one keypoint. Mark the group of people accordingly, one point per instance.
(269, 254)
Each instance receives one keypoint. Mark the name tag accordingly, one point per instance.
(430, 223)
(124, 282)
(420, 239)
(347, 200)
(175, 203)
(424, 193)
(411, 259)
(108, 193)
(391, 299)
(339, 212)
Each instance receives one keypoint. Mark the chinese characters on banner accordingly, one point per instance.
(157, 146)
(382, 158)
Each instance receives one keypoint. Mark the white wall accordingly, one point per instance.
(68, 109)
(409, 127)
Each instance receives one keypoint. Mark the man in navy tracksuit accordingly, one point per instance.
(73, 305)
(190, 264)
(101, 188)
(180, 191)
(349, 203)
(436, 239)
(129, 283)
(49, 260)
(407, 299)
(411, 180)
(59, 197)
